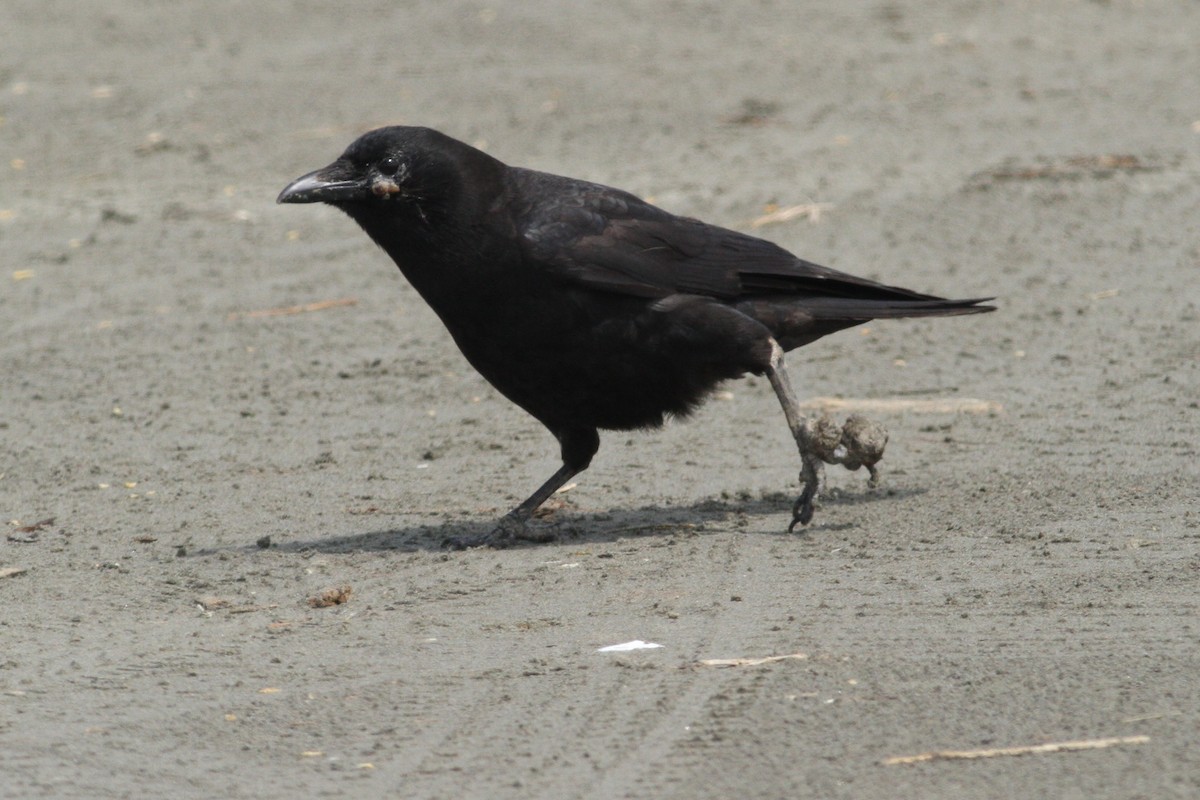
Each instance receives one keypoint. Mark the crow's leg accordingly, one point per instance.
(578, 447)
(858, 443)
(803, 430)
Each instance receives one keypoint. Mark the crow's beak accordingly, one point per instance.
(326, 185)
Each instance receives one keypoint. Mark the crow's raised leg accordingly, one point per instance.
(858, 443)
(803, 431)
(578, 447)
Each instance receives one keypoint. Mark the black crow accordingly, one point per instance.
(590, 308)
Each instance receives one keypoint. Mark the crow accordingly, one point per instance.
(593, 309)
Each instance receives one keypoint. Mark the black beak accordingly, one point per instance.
(326, 185)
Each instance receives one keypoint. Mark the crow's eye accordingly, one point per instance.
(389, 166)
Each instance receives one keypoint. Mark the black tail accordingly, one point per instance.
(857, 309)
(797, 321)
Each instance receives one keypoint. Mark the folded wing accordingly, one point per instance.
(608, 240)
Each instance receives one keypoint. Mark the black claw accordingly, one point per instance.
(802, 511)
(803, 517)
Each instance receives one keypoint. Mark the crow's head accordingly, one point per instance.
(394, 173)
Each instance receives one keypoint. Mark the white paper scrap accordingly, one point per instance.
(636, 644)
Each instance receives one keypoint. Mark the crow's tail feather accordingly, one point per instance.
(797, 321)
(860, 309)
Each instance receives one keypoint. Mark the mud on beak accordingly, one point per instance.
(330, 184)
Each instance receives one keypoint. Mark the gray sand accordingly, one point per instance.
(1027, 573)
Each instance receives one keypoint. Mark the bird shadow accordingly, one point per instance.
(565, 527)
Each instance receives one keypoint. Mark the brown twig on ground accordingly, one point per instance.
(1097, 166)
(993, 752)
(750, 662)
(320, 305)
(811, 211)
(890, 405)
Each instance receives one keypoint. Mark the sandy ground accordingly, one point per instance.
(1028, 574)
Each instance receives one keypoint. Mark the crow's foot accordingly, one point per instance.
(802, 511)
(858, 443)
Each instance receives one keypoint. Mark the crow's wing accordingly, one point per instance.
(609, 240)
